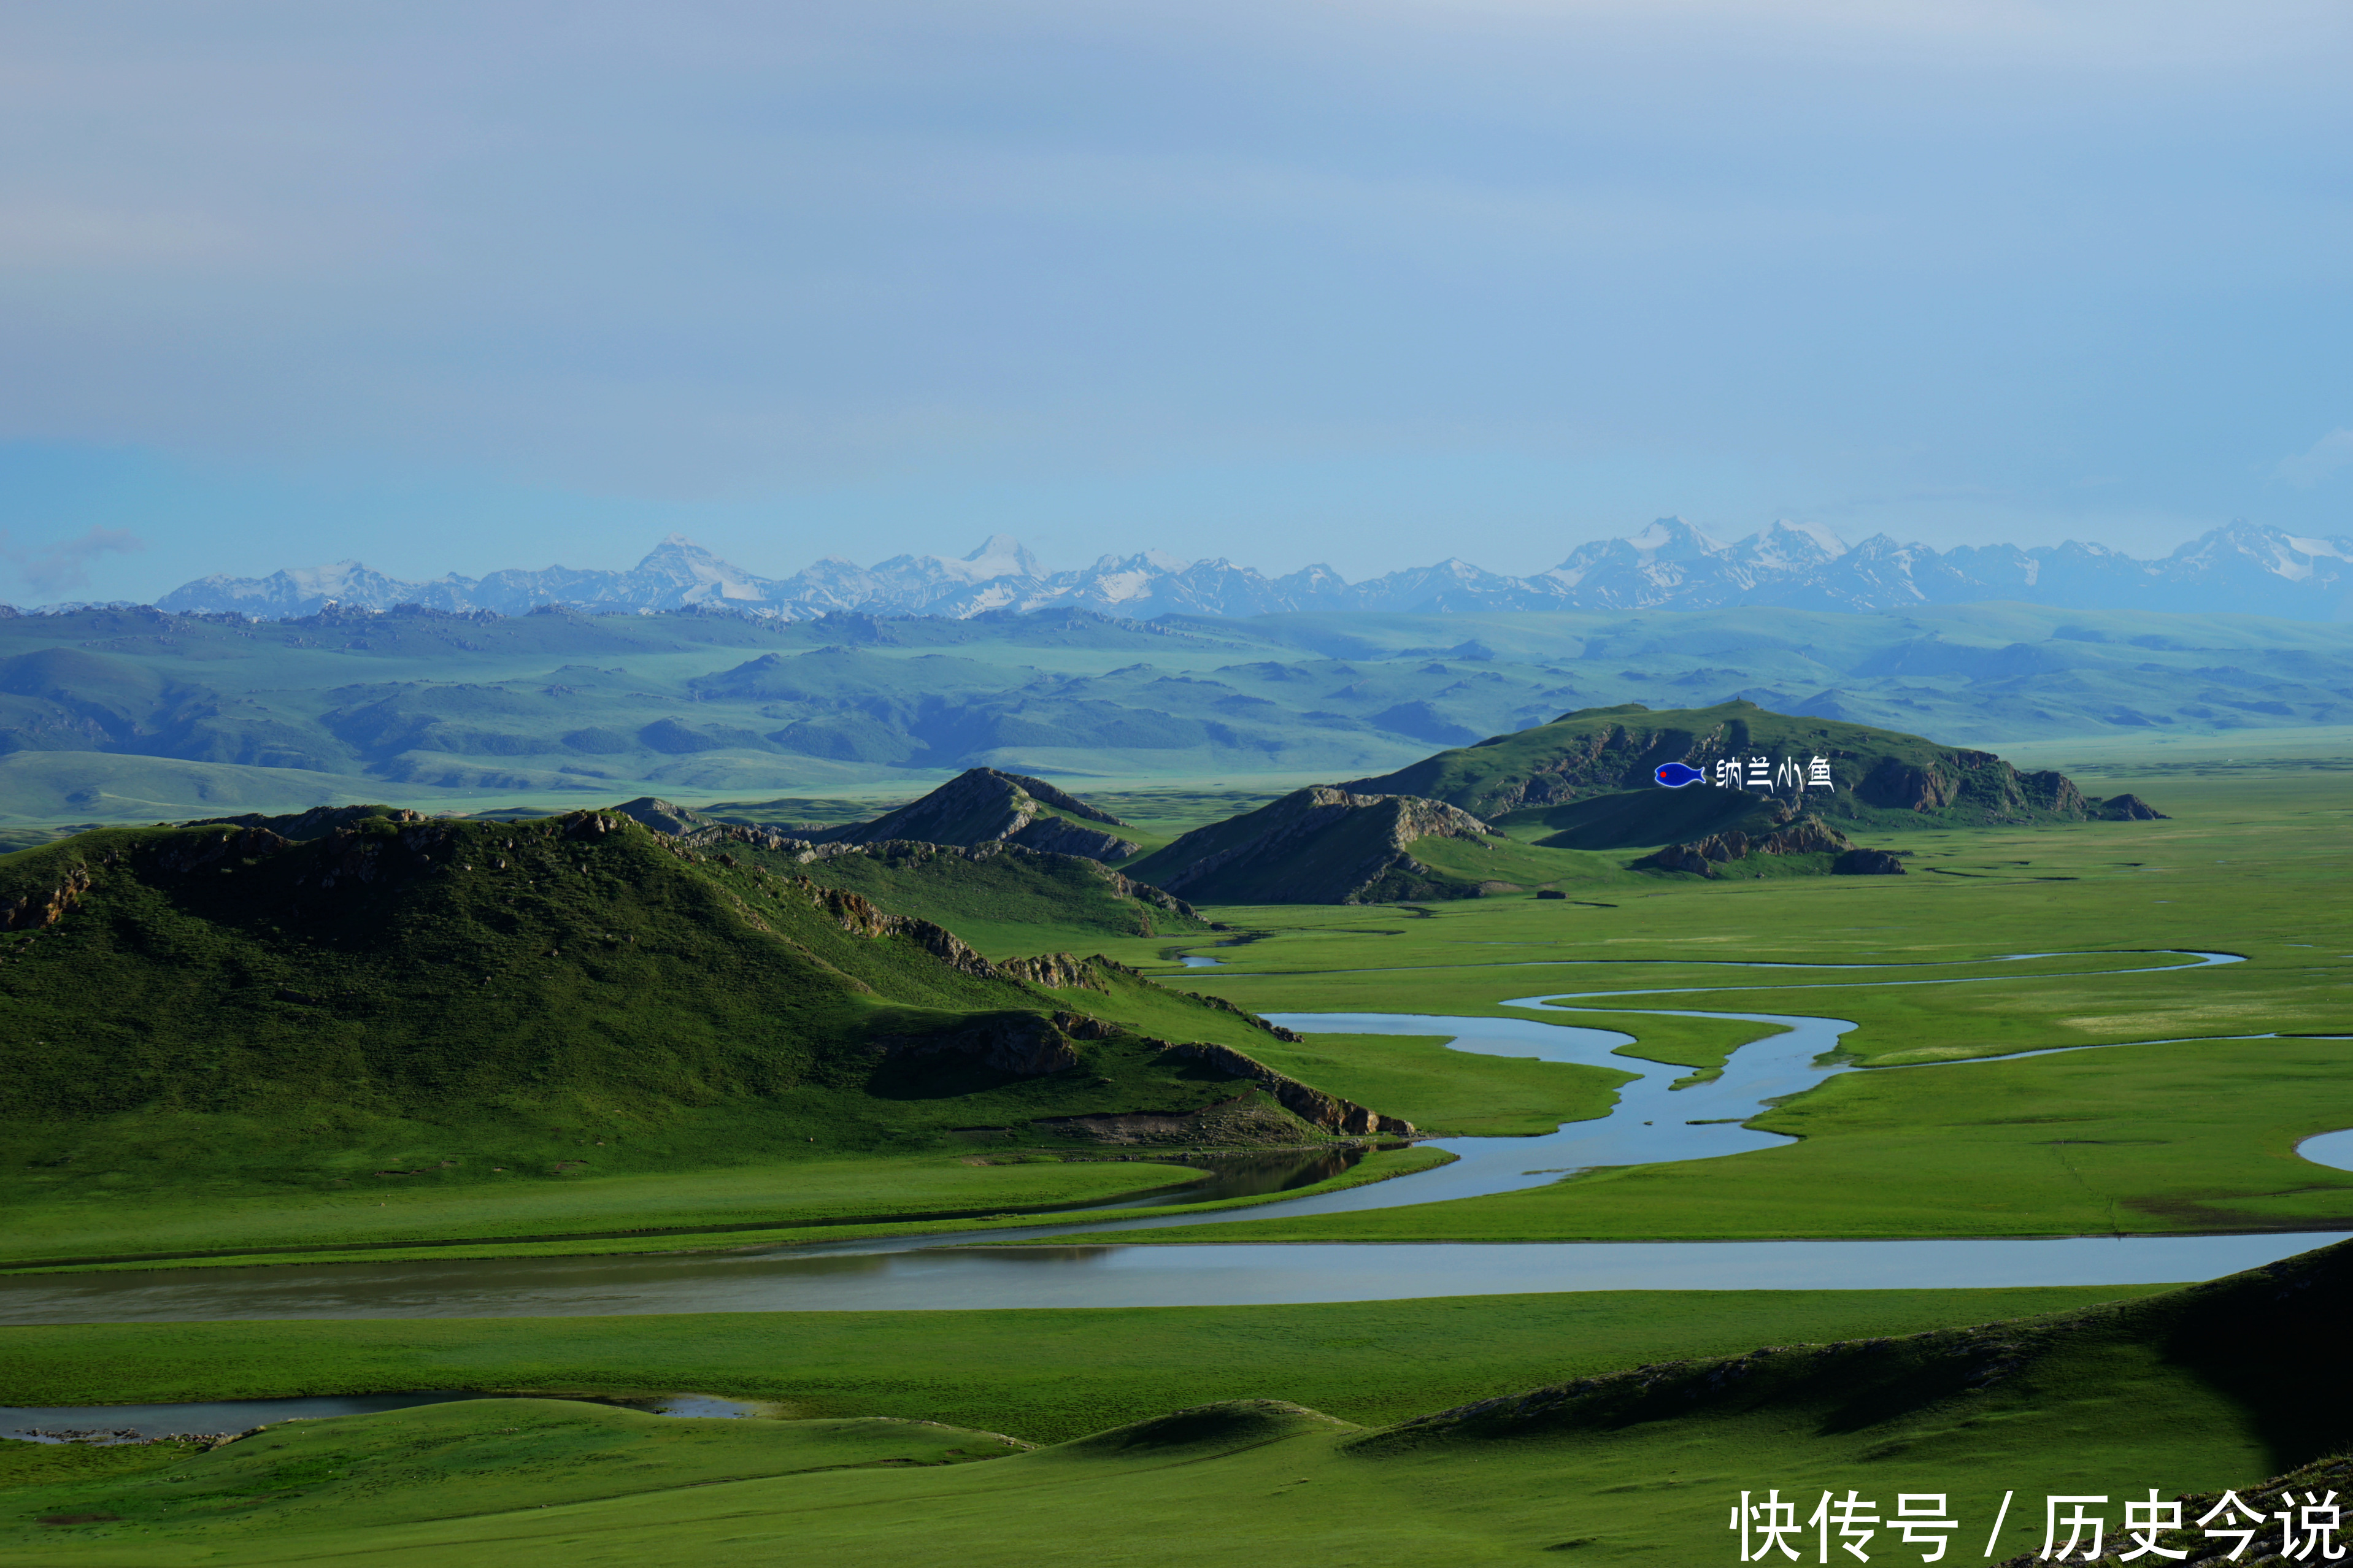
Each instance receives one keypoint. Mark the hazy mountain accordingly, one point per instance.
(1670, 565)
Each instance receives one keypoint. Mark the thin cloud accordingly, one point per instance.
(2328, 457)
(65, 563)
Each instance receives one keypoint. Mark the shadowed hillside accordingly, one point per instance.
(167, 992)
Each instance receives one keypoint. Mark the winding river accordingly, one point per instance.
(1652, 1121)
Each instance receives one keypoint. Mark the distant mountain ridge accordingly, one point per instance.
(1670, 565)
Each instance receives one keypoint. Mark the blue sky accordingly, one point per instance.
(456, 287)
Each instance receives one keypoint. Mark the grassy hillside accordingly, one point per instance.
(1880, 779)
(492, 1009)
(982, 805)
(1004, 899)
(2186, 1391)
(1318, 845)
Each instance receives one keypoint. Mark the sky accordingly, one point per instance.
(451, 287)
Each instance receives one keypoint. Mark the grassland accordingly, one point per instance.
(2197, 1135)
(2144, 1137)
(1045, 1375)
(2172, 1390)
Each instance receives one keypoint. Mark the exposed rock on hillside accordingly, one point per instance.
(854, 913)
(1958, 775)
(1805, 835)
(1317, 846)
(45, 906)
(1325, 1111)
(1867, 863)
(2128, 808)
(980, 805)
(666, 816)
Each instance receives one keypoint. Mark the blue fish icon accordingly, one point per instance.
(1674, 775)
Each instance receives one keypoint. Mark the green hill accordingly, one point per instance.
(1318, 845)
(982, 805)
(1588, 775)
(1000, 895)
(477, 1004)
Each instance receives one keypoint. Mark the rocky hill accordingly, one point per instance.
(982, 805)
(1591, 776)
(1317, 846)
(361, 994)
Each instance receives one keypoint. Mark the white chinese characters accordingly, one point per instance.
(2075, 1528)
(1773, 775)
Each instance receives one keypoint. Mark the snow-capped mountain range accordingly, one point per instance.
(1668, 565)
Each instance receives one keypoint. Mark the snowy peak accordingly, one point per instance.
(1668, 565)
(1789, 547)
(1673, 539)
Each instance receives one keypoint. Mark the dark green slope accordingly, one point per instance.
(218, 997)
(973, 891)
(2268, 1345)
(982, 805)
(1555, 774)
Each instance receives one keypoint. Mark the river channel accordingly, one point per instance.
(1653, 1121)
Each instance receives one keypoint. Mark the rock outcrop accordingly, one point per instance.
(1022, 1044)
(46, 905)
(1056, 972)
(1867, 863)
(1317, 846)
(1311, 1105)
(855, 913)
(1805, 835)
(2128, 808)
